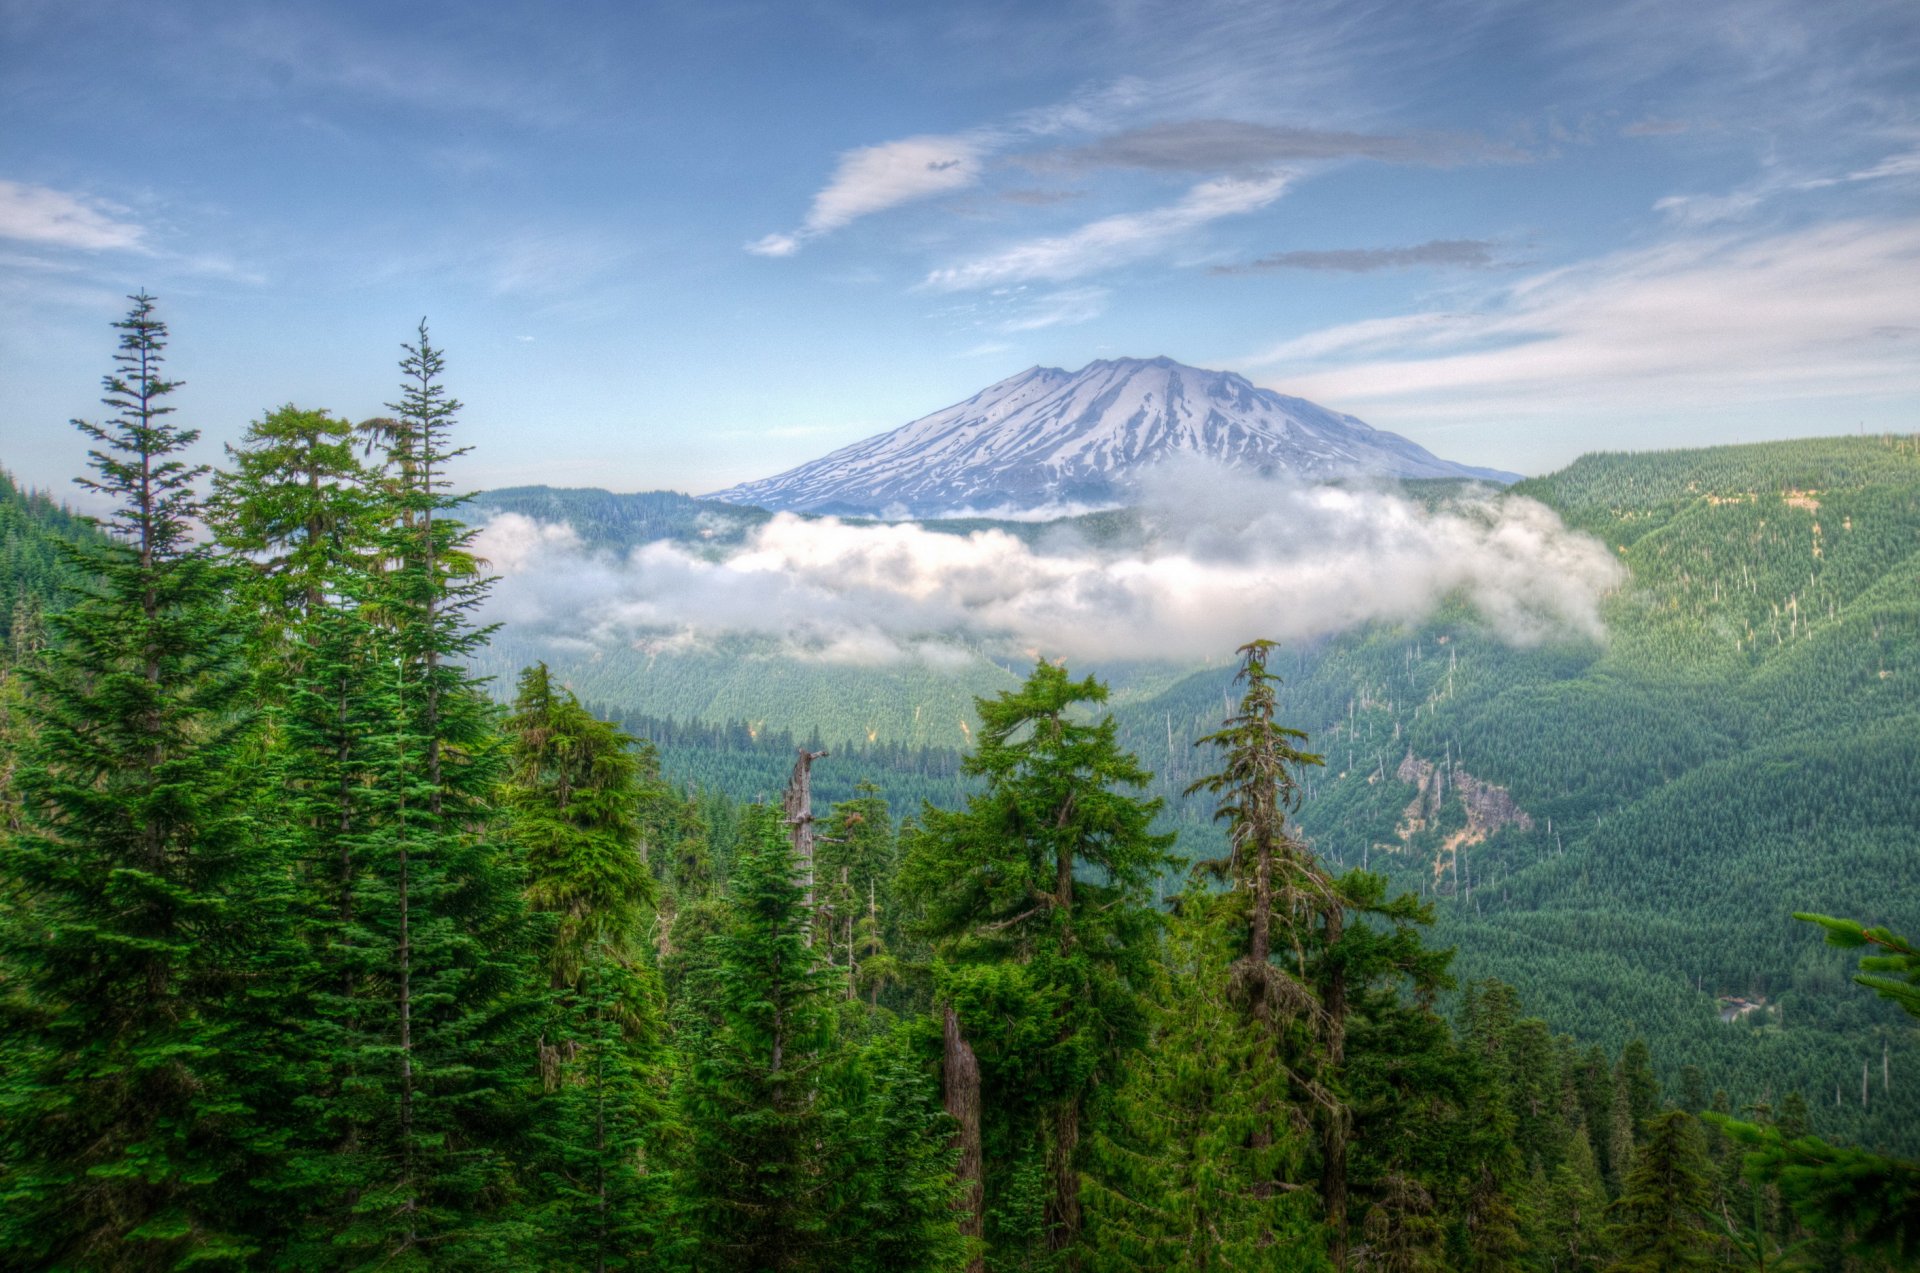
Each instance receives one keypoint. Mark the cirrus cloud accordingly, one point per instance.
(54, 218)
(872, 179)
(1114, 240)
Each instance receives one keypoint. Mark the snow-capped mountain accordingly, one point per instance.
(1048, 437)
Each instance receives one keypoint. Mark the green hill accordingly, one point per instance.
(1620, 829)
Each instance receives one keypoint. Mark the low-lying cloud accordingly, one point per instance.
(1224, 557)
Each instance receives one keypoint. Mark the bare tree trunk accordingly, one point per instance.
(1334, 1132)
(799, 811)
(1063, 1208)
(960, 1076)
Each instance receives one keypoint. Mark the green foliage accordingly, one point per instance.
(312, 957)
(117, 1106)
(1659, 1223)
(1894, 975)
(757, 1197)
(1044, 881)
(1201, 1152)
(1869, 1200)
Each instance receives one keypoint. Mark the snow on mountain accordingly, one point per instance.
(1050, 437)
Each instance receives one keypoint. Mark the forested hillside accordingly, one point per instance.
(317, 951)
(33, 571)
(1611, 826)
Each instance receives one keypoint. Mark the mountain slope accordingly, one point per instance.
(1049, 437)
(1742, 745)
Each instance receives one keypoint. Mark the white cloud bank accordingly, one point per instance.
(1230, 557)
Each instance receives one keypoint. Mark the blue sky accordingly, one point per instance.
(683, 245)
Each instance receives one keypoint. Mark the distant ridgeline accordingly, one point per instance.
(750, 763)
(1620, 830)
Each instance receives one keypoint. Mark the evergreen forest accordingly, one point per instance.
(328, 942)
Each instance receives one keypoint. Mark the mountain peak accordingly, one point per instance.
(1047, 436)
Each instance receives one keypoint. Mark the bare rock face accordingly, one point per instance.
(1489, 807)
(1049, 437)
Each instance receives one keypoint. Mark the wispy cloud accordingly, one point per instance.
(1064, 308)
(1215, 145)
(1468, 253)
(55, 218)
(1700, 321)
(1653, 126)
(1114, 240)
(875, 178)
(1694, 210)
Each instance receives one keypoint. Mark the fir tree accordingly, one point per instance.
(758, 1193)
(1050, 870)
(117, 1115)
(1280, 1044)
(573, 791)
(426, 964)
(1573, 1212)
(1199, 1160)
(1659, 1217)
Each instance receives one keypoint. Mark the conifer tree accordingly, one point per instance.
(573, 792)
(893, 1164)
(295, 504)
(1201, 1156)
(1869, 1202)
(1659, 1217)
(758, 1193)
(1573, 1211)
(1277, 1048)
(116, 1114)
(425, 965)
(1043, 880)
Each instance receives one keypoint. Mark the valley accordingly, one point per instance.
(1618, 827)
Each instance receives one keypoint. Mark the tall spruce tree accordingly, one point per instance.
(758, 1188)
(425, 948)
(573, 791)
(116, 1114)
(1660, 1215)
(1042, 885)
(1228, 1151)
(296, 511)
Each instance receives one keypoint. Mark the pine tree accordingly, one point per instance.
(424, 953)
(295, 505)
(296, 511)
(893, 1164)
(757, 1189)
(1199, 1160)
(573, 792)
(116, 1114)
(1279, 1043)
(1048, 870)
(1573, 1211)
(1659, 1217)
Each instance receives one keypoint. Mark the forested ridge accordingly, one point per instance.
(1741, 741)
(317, 951)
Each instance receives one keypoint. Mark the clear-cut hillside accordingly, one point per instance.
(1049, 437)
